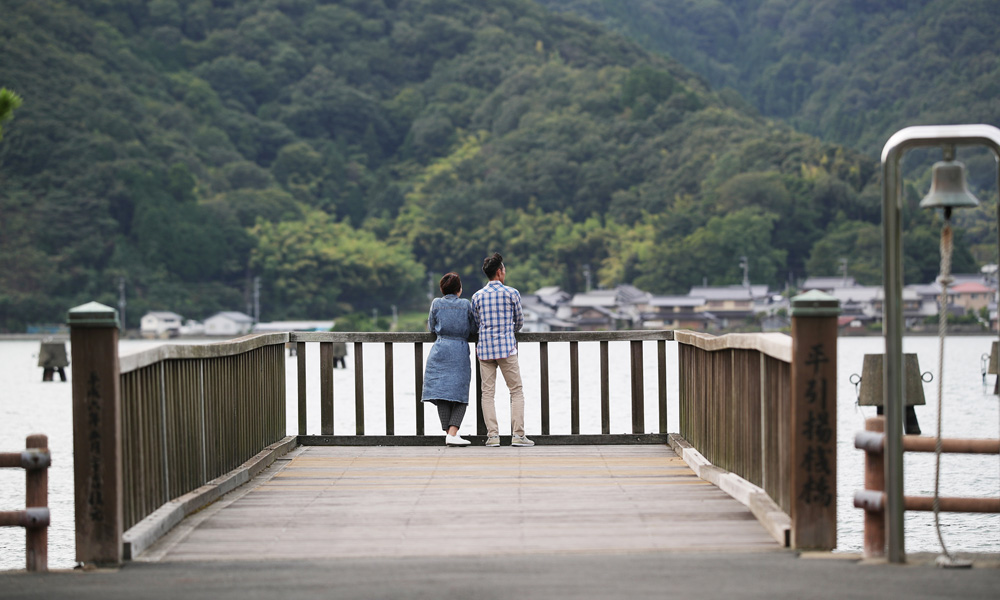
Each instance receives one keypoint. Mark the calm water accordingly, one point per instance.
(27, 405)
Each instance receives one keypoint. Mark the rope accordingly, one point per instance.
(946, 280)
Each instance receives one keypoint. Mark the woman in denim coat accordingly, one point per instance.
(449, 370)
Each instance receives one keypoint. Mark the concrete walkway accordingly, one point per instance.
(696, 575)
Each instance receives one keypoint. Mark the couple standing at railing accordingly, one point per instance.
(495, 312)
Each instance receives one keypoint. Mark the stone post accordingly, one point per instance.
(97, 440)
(814, 421)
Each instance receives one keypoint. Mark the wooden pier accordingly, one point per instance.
(168, 431)
(350, 502)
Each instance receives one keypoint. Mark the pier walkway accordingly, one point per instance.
(349, 502)
(556, 522)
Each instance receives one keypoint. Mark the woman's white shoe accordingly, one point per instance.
(455, 440)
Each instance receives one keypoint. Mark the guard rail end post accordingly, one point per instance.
(874, 538)
(97, 439)
(37, 496)
(814, 421)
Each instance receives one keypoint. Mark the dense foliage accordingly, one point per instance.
(851, 72)
(346, 152)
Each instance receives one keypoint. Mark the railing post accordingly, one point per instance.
(875, 481)
(97, 439)
(37, 496)
(814, 421)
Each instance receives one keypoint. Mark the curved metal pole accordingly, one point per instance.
(892, 307)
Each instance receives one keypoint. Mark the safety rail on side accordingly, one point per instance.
(35, 460)
(872, 499)
(159, 434)
(417, 341)
(763, 406)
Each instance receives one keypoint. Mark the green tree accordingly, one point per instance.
(9, 102)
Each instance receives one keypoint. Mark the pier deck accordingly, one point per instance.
(350, 502)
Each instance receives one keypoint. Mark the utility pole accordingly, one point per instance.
(395, 318)
(586, 275)
(843, 269)
(745, 264)
(256, 300)
(121, 301)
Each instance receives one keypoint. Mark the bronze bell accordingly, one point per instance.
(948, 189)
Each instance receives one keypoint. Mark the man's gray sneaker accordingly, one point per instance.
(493, 440)
(520, 440)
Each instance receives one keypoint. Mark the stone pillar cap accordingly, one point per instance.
(815, 303)
(92, 314)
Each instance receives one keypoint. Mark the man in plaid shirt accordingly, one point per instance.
(498, 313)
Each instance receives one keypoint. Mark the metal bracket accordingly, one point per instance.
(34, 459)
(870, 441)
(870, 500)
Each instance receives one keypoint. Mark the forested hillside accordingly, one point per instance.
(851, 72)
(345, 152)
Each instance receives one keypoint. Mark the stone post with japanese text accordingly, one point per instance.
(97, 440)
(814, 421)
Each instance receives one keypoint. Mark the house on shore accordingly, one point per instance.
(229, 323)
(160, 324)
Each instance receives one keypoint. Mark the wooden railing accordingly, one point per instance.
(191, 413)
(325, 341)
(736, 405)
(872, 499)
(35, 460)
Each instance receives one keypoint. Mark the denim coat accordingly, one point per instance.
(449, 369)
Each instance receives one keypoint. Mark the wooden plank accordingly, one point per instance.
(431, 440)
(386, 502)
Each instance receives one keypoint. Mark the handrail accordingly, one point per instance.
(192, 413)
(775, 345)
(573, 338)
(735, 405)
(35, 460)
(235, 346)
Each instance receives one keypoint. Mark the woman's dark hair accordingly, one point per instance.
(450, 283)
(492, 264)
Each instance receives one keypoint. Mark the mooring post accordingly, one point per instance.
(814, 421)
(97, 441)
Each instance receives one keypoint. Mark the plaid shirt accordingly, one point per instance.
(498, 314)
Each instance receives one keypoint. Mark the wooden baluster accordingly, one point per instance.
(359, 389)
(638, 415)
(605, 390)
(418, 385)
(326, 390)
(574, 387)
(300, 362)
(390, 417)
(543, 372)
(661, 364)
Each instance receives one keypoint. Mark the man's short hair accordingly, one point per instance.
(451, 283)
(492, 264)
